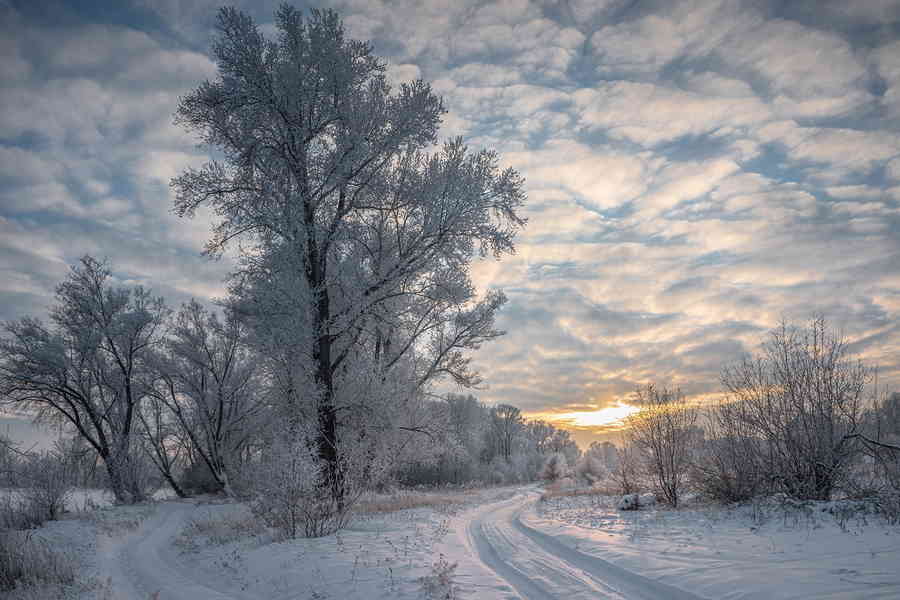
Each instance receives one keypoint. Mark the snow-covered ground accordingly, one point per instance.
(762, 551)
(212, 550)
(505, 543)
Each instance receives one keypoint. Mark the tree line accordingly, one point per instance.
(802, 418)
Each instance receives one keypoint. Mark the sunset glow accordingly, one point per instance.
(604, 417)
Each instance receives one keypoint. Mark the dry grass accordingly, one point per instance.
(558, 492)
(31, 568)
(118, 521)
(408, 499)
(218, 530)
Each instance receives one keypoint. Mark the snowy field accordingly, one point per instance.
(747, 552)
(501, 543)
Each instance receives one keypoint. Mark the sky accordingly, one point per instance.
(696, 171)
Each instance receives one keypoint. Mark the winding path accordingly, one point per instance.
(143, 565)
(540, 567)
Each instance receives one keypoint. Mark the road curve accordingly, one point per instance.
(144, 565)
(540, 567)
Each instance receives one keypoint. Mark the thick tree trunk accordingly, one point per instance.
(174, 484)
(117, 480)
(332, 475)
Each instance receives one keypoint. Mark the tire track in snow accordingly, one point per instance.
(145, 563)
(540, 567)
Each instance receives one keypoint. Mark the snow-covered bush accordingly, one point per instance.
(802, 397)
(590, 468)
(626, 473)
(647, 500)
(664, 433)
(555, 467)
(728, 465)
(287, 491)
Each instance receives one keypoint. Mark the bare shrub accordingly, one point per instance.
(664, 432)
(47, 486)
(626, 473)
(289, 494)
(803, 397)
(729, 465)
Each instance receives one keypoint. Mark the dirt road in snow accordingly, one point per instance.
(515, 559)
(539, 567)
(143, 565)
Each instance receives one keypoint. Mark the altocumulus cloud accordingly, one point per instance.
(696, 170)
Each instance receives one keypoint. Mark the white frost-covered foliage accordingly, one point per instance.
(555, 467)
(356, 232)
(492, 444)
(208, 385)
(286, 490)
(598, 463)
(88, 368)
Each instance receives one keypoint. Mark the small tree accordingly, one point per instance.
(555, 467)
(664, 431)
(504, 429)
(207, 380)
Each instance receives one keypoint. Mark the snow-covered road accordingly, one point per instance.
(539, 567)
(507, 546)
(144, 565)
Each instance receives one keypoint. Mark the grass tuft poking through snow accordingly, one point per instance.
(220, 529)
(31, 568)
(438, 584)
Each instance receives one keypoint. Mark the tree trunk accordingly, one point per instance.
(116, 480)
(333, 476)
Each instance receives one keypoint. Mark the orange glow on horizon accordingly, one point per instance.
(610, 417)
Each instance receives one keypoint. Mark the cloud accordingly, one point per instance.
(649, 114)
(696, 170)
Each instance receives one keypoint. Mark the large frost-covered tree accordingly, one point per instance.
(356, 230)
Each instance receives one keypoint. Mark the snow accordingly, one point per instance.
(748, 552)
(501, 543)
(380, 555)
